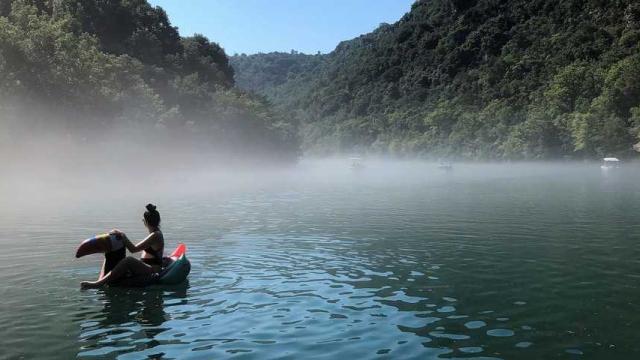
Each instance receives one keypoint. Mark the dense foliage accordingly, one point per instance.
(79, 67)
(267, 73)
(475, 79)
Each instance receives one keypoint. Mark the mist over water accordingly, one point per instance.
(398, 258)
(106, 107)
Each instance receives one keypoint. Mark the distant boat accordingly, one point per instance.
(445, 165)
(356, 163)
(610, 163)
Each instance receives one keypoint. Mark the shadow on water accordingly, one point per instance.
(128, 320)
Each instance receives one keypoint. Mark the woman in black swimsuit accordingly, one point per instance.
(150, 263)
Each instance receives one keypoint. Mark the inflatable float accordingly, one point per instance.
(102, 243)
(177, 271)
(173, 274)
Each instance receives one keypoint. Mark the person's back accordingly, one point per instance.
(153, 255)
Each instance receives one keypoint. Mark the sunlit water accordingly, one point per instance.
(393, 261)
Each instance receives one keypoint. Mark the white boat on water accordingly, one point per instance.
(610, 163)
(356, 163)
(445, 165)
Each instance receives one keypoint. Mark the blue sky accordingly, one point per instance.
(309, 26)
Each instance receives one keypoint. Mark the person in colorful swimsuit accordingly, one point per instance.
(146, 268)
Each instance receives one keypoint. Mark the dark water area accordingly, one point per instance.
(395, 260)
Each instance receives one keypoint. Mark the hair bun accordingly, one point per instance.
(151, 207)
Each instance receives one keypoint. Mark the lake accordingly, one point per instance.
(396, 260)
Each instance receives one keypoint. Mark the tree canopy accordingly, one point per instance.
(77, 67)
(484, 79)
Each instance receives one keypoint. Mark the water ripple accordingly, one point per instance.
(502, 267)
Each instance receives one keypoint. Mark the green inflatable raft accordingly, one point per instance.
(178, 270)
(175, 273)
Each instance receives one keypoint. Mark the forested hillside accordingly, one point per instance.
(473, 79)
(269, 74)
(79, 69)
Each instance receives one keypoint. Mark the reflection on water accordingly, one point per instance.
(130, 320)
(476, 263)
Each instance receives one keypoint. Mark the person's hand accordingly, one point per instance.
(119, 234)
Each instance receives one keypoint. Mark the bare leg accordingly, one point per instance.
(104, 263)
(128, 264)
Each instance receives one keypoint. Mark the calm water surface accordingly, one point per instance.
(395, 261)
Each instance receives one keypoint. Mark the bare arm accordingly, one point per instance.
(142, 245)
